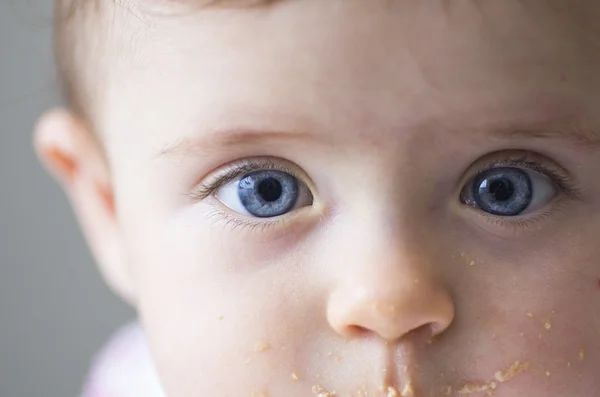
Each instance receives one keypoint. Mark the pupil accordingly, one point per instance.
(270, 189)
(502, 189)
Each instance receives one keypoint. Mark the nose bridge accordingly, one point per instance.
(390, 287)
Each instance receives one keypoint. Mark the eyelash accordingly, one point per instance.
(240, 223)
(533, 162)
(205, 189)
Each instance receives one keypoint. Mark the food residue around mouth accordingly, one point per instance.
(490, 386)
(408, 390)
(470, 388)
(318, 391)
(511, 372)
(392, 392)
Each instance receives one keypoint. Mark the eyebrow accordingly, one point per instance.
(579, 137)
(221, 139)
(201, 4)
(575, 134)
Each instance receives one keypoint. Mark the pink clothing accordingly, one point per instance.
(124, 368)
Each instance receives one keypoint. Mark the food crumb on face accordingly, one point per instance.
(472, 263)
(295, 376)
(530, 315)
(259, 393)
(261, 346)
(511, 372)
(499, 377)
(581, 354)
(477, 388)
(318, 391)
(407, 390)
(220, 317)
(548, 326)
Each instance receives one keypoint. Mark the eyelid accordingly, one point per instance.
(532, 161)
(231, 171)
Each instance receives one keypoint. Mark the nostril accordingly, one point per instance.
(358, 331)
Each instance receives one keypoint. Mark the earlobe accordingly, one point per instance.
(71, 153)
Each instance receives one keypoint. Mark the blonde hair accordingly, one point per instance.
(70, 18)
(78, 43)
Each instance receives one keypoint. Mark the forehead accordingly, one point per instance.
(355, 64)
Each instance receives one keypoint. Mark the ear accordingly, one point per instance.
(72, 154)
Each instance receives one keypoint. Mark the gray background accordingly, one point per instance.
(55, 313)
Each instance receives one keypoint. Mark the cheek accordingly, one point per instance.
(562, 330)
(545, 315)
(216, 313)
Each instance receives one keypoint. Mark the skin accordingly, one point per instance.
(385, 110)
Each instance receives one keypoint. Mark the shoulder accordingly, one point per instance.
(124, 368)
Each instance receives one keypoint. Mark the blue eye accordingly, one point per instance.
(265, 194)
(508, 191)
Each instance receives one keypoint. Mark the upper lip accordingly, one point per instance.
(400, 369)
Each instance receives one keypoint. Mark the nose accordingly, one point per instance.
(390, 296)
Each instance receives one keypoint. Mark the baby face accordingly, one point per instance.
(372, 198)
